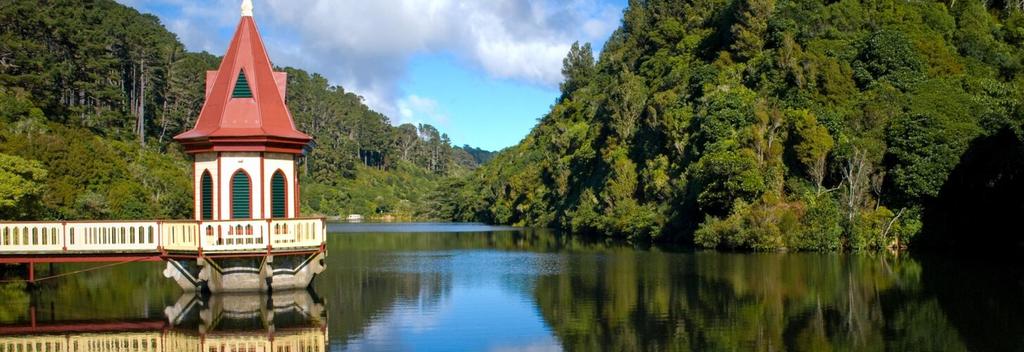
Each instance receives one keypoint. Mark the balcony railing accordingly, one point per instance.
(86, 237)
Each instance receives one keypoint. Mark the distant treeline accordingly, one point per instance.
(480, 156)
(91, 94)
(769, 124)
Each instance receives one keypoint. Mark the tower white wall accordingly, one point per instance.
(286, 163)
(259, 166)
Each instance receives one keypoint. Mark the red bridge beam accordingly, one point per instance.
(154, 325)
(97, 258)
(140, 257)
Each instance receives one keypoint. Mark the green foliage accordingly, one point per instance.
(981, 40)
(90, 177)
(762, 225)
(20, 186)
(926, 144)
(881, 228)
(822, 225)
(751, 26)
(888, 57)
(478, 155)
(401, 192)
(758, 124)
(812, 146)
(104, 67)
(578, 68)
(723, 177)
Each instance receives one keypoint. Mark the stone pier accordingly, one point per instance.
(246, 274)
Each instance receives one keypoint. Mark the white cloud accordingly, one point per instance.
(415, 109)
(367, 45)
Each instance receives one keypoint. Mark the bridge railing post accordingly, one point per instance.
(64, 234)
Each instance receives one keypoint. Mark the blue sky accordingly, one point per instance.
(482, 71)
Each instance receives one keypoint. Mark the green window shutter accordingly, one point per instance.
(278, 196)
(240, 196)
(206, 194)
(242, 89)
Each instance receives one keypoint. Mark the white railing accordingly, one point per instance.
(30, 237)
(180, 235)
(234, 235)
(33, 343)
(297, 232)
(133, 341)
(132, 236)
(159, 236)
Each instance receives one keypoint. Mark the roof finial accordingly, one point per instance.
(246, 8)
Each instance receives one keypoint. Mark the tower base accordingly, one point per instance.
(246, 274)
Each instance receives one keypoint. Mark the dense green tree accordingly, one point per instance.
(20, 186)
(181, 100)
(813, 145)
(578, 68)
(888, 57)
(751, 27)
(806, 125)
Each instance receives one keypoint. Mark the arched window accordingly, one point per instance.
(241, 196)
(278, 195)
(206, 196)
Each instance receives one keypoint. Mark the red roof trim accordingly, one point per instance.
(249, 144)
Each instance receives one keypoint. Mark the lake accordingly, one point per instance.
(459, 287)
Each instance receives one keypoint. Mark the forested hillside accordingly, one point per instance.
(92, 92)
(767, 124)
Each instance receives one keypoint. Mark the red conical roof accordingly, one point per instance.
(258, 123)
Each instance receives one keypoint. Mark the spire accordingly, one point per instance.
(245, 108)
(246, 8)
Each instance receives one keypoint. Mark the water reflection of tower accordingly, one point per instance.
(295, 320)
(288, 320)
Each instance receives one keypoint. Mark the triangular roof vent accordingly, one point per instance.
(242, 89)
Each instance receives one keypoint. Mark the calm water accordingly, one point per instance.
(473, 287)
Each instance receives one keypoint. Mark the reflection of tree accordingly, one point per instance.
(536, 240)
(123, 292)
(630, 300)
(16, 302)
(982, 294)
